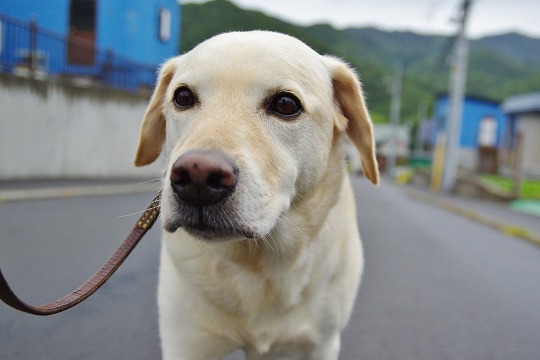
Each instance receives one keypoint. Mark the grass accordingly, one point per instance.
(530, 189)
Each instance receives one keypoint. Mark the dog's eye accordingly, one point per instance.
(184, 98)
(286, 105)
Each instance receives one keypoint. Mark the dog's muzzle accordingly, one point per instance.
(202, 182)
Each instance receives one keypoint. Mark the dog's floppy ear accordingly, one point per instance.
(152, 133)
(353, 115)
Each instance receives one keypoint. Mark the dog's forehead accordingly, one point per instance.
(258, 42)
(256, 53)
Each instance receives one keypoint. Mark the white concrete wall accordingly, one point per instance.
(57, 130)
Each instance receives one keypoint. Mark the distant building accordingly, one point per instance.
(524, 119)
(389, 140)
(118, 42)
(482, 128)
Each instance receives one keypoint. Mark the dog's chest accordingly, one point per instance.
(270, 307)
(255, 291)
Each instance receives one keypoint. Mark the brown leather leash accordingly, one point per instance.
(90, 286)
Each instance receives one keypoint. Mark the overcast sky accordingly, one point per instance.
(487, 17)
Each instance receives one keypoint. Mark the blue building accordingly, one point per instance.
(117, 42)
(483, 126)
(476, 113)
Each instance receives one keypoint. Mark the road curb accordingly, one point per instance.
(505, 228)
(76, 191)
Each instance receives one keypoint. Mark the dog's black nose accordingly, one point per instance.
(202, 178)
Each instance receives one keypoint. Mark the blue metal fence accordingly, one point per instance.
(26, 49)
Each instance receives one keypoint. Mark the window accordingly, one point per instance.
(82, 32)
(164, 24)
(82, 15)
(487, 132)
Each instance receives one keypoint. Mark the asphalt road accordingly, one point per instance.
(436, 285)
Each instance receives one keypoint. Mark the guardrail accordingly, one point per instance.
(28, 50)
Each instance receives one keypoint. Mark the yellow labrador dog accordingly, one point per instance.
(261, 249)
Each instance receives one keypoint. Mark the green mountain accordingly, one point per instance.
(522, 48)
(499, 66)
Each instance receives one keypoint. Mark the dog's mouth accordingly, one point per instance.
(208, 233)
(209, 223)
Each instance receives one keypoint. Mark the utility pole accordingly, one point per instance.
(395, 109)
(458, 79)
(422, 116)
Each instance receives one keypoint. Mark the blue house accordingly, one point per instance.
(482, 127)
(119, 43)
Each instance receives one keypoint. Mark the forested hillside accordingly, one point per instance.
(499, 66)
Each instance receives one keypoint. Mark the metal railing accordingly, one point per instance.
(28, 50)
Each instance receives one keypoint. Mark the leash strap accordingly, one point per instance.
(90, 286)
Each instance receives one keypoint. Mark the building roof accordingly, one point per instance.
(524, 103)
(471, 97)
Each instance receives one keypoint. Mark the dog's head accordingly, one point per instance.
(249, 120)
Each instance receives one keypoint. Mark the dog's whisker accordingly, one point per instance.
(282, 216)
(156, 207)
(202, 247)
(267, 242)
(139, 212)
(250, 244)
(156, 180)
(132, 214)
